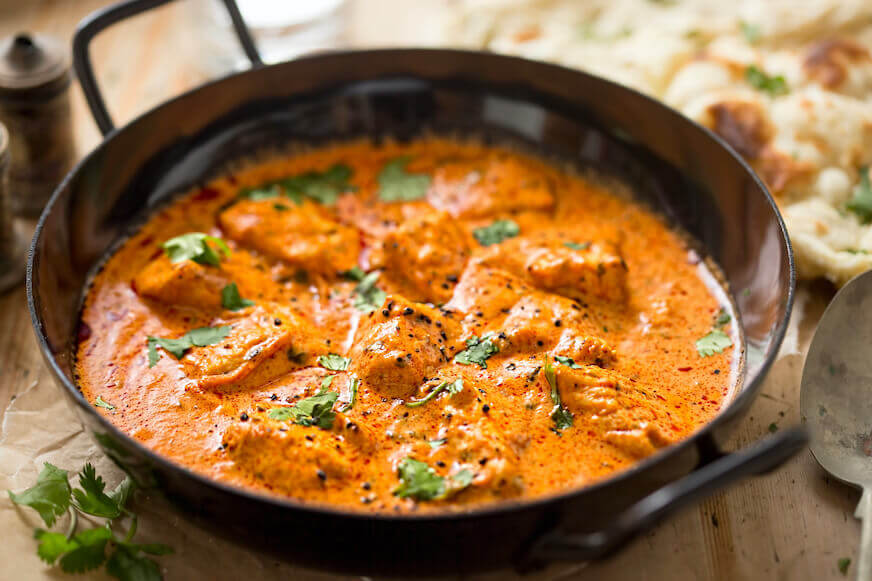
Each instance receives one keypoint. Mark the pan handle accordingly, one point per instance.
(97, 21)
(728, 469)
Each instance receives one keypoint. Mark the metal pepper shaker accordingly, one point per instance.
(35, 107)
(11, 240)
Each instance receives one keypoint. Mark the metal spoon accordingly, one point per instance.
(836, 399)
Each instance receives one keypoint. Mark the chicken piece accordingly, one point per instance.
(630, 416)
(400, 345)
(496, 185)
(585, 350)
(294, 458)
(486, 290)
(305, 236)
(182, 283)
(575, 270)
(424, 257)
(274, 339)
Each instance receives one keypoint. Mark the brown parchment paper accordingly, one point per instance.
(39, 427)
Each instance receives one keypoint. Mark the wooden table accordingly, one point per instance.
(793, 524)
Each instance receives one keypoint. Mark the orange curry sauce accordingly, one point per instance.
(573, 284)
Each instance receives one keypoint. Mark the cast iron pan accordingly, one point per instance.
(679, 168)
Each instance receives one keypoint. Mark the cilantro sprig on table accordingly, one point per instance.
(79, 551)
(716, 340)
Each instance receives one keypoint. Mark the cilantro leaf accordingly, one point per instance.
(122, 492)
(843, 565)
(567, 361)
(453, 387)
(316, 410)
(561, 416)
(89, 552)
(355, 274)
(52, 545)
(196, 246)
(127, 564)
(715, 342)
(461, 480)
(751, 32)
(478, 351)
(50, 496)
(91, 498)
(577, 246)
(723, 317)
(419, 481)
(231, 300)
(202, 337)
(334, 362)
(861, 203)
(323, 187)
(102, 403)
(438, 442)
(760, 80)
(264, 191)
(496, 232)
(397, 185)
(367, 296)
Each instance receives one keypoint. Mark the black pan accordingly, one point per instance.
(674, 165)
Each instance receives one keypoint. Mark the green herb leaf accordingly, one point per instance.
(323, 187)
(356, 274)
(231, 300)
(50, 496)
(577, 246)
(751, 32)
(316, 410)
(264, 191)
(367, 296)
(127, 564)
(52, 545)
(419, 481)
(196, 246)
(561, 416)
(861, 203)
(843, 565)
(122, 492)
(438, 442)
(774, 85)
(397, 185)
(715, 342)
(91, 499)
(201, 337)
(567, 361)
(89, 552)
(352, 387)
(496, 232)
(773, 427)
(334, 362)
(461, 480)
(722, 318)
(102, 403)
(452, 387)
(478, 351)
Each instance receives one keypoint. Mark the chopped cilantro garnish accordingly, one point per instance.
(561, 416)
(316, 410)
(714, 342)
(438, 442)
(861, 203)
(751, 32)
(196, 246)
(85, 550)
(451, 386)
(367, 296)
(201, 337)
(231, 300)
(334, 362)
(577, 246)
(722, 318)
(496, 232)
(323, 187)
(843, 565)
(478, 351)
(419, 481)
(775, 85)
(397, 185)
(567, 361)
(102, 403)
(352, 389)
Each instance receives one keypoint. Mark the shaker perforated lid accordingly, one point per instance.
(32, 65)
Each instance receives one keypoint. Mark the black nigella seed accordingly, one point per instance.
(322, 475)
(485, 408)
(366, 485)
(441, 464)
(717, 371)
(277, 322)
(557, 322)
(274, 397)
(386, 312)
(243, 416)
(408, 311)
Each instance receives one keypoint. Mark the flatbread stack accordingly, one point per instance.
(788, 84)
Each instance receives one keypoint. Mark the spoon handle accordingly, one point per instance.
(864, 513)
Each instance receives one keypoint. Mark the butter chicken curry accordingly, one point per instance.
(396, 327)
